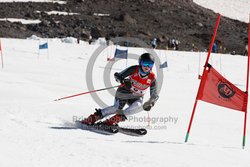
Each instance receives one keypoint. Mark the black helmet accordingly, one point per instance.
(146, 57)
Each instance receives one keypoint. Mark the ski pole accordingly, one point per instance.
(148, 120)
(79, 94)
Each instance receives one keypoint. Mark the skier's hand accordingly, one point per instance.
(127, 84)
(147, 106)
(118, 77)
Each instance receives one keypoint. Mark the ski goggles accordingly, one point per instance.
(149, 64)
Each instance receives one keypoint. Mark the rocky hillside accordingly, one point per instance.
(191, 24)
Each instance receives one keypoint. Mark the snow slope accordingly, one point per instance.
(235, 9)
(36, 131)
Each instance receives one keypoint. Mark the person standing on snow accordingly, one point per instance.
(154, 43)
(135, 80)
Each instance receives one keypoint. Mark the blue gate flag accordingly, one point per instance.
(43, 46)
(121, 54)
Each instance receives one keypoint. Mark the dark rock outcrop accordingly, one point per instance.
(191, 24)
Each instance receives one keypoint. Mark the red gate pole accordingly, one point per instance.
(205, 66)
(247, 84)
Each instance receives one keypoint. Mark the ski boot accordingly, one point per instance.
(113, 121)
(93, 118)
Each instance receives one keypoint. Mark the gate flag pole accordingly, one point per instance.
(247, 84)
(202, 77)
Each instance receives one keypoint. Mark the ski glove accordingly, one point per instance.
(126, 82)
(118, 77)
(147, 106)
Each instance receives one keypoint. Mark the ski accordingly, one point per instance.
(110, 130)
(132, 132)
(98, 128)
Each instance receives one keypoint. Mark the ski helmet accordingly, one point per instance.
(146, 59)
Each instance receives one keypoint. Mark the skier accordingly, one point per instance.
(134, 82)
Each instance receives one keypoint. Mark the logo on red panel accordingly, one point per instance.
(225, 90)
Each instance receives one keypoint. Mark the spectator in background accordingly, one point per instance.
(221, 48)
(154, 43)
(225, 49)
(173, 44)
(246, 50)
(177, 42)
(193, 48)
(107, 38)
(214, 48)
(170, 44)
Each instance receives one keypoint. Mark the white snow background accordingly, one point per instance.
(35, 130)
